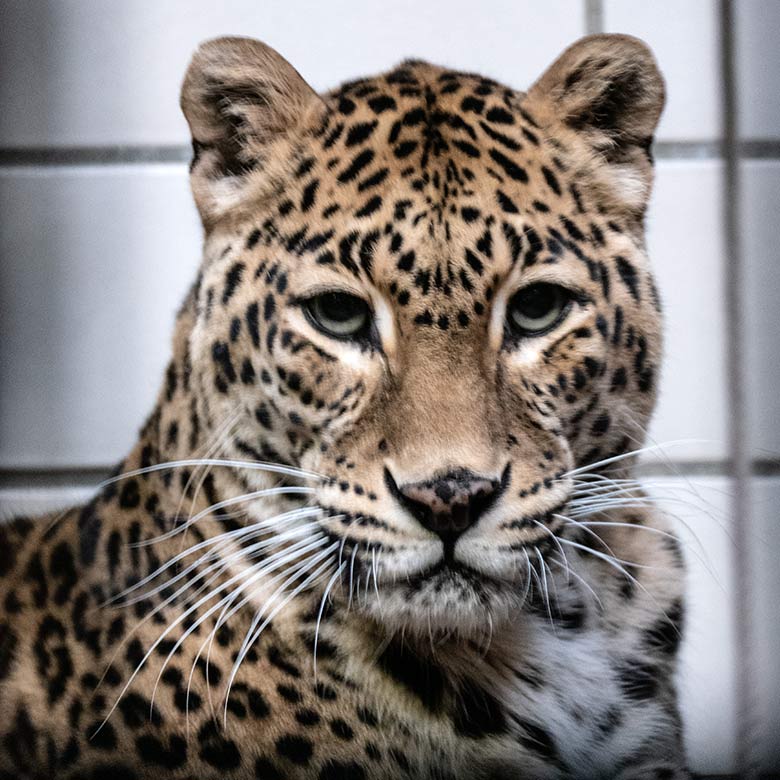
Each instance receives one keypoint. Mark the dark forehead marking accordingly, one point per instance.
(459, 141)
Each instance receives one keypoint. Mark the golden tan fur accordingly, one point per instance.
(530, 645)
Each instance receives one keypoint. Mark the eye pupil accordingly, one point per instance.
(537, 308)
(338, 307)
(339, 314)
(537, 300)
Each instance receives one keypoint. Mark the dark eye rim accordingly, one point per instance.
(516, 333)
(362, 335)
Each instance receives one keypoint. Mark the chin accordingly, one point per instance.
(445, 600)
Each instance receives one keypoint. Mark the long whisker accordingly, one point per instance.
(282, 559)
(609, 487)
(330, 584)
(589, 531)
(376, 581)
(216, 543)
(251, 576)
(554, 536)
(159, 639)
(217, 443)
(274, 468)
(614, 562)
(545, 592)
(581, 579)
(351, 575)
(251, 639)
(275, 491)
(633, 453)
(250, 636)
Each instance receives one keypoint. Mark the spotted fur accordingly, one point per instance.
(528, 645)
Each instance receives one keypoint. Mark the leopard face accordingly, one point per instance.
(431, 293)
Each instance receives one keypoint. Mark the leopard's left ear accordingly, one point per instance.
(245, 105)
(609, 88)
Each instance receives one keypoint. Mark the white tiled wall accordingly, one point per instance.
(766, 637)
(761, 188)
(706, 678)
(95, 261)
(758, 61)
(79, 245)
(686, 245)
(683, 36)
(108, 71)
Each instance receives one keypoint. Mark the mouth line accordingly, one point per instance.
(454, 569)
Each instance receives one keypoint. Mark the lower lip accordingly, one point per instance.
(454, 569)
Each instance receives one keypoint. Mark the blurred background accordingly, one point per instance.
(99, 240)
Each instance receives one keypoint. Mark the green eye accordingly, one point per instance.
(537, 308)
(338, 314)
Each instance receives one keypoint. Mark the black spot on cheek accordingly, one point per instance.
(472, 104)
(269, 308)
(628, 275)
(153, 751)
(381, 103)
(8, 643)
(600, 425)
(338, 770)
(232, 280)
(103, 738)
(298, 750)
(129, 496)
(253, 238)
(216, 750)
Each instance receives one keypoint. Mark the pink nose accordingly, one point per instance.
(447, 505)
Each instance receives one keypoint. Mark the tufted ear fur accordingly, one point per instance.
(609, 89)
(242, 101)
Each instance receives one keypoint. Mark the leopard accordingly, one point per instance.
(384, 519)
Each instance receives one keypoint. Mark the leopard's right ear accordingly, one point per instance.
(244, 104)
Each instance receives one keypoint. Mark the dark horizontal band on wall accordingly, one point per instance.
(87, 477)
(94, 155)
(53, 477)
(759, 149)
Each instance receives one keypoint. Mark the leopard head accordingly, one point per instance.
(431, 293)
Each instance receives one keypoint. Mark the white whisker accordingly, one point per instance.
(252, 576)
(631, 454)
(376, 581)
(274, 468)
(351, 574)
(330, 584)
(217, 543)
(252, 638)
(545, 592)
(266, 492)
(281, 559)
(581, 579)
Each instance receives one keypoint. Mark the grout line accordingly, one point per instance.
(594, 17)
(748, 728)
(94, 155)
(756, 149)
(88, 476)
(53, 478)
(689, 150)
